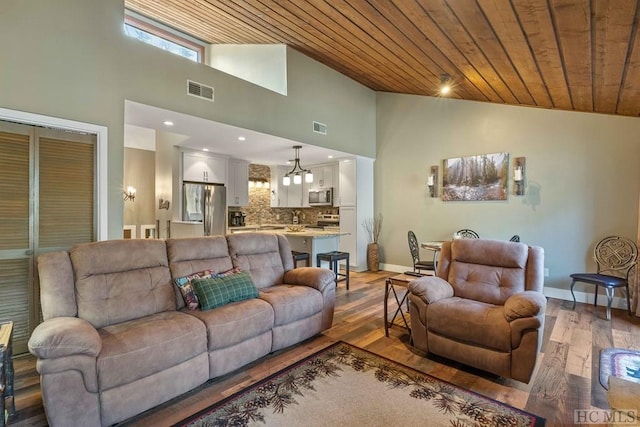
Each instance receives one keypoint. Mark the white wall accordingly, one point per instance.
(582, 172)
(140, 138)
(139, 173)
(264, 65)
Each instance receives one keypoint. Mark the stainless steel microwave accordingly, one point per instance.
(321, 197)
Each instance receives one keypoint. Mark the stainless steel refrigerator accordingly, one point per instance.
(206, 203)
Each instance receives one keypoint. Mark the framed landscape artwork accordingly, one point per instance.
(482, 177)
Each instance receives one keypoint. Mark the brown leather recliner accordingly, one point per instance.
(484, 308)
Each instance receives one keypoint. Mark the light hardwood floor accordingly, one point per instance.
(565, 379)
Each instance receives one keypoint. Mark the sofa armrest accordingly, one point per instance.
(430, 289)
(314, 277)
(524, 304)
(64, 336)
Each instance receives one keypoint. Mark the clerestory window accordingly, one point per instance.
(163, 37)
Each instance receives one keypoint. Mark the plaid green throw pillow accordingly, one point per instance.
(214, 291)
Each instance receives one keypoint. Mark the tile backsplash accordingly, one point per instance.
(260, 211)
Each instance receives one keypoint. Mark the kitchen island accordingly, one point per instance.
(312, 240)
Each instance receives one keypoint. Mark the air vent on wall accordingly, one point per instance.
(200, 90)
(319, 128)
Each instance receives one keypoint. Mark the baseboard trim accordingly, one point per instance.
(395, 268)
(585, 297)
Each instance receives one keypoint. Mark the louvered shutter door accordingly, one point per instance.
(66, 193)
(15, 255)
(47, 191)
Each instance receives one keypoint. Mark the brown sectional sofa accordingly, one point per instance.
(117, 338)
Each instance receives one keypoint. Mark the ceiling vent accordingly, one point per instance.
(200, 90)
(320, 128)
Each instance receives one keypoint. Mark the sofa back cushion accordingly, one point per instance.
(57, 290)
(191, 255)
(120, 280)
(486, 270)
(265, 256)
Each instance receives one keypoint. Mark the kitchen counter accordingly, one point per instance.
(312, 240)
(269, 226)
(282, 229)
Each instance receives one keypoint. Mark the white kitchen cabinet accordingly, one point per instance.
(200, 167)
(349, 234)
(322, 177)
(238, 183)
(355, 195)
(295, 193)
(279, 193)
(345, 193)
(305, 194)
(291, 196)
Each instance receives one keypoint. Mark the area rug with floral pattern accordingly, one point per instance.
(343, 385)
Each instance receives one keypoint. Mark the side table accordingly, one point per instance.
(401, 280)
(6, 372)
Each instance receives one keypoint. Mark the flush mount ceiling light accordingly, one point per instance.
(168, 123)
(297, 171)
(445, 84)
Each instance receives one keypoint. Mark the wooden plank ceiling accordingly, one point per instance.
(581, 55)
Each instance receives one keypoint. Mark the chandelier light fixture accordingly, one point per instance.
(298, 171)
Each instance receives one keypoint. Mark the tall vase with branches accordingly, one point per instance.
(373, 227)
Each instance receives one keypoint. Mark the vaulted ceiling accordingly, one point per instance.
(581, 55)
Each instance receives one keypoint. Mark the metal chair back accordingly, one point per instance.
(465, 233)
(615, 256)
(413, 247)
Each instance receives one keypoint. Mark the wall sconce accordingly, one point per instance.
(130, 194)
(258, 183)
(164, 204)
(432, 181)
(519, 175)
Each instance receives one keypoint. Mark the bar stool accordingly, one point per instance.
(300, 256)
(334, 258)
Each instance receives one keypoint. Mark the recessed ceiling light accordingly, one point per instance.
(168, 123)
(241, 138)
(330, 156)
(205, 149)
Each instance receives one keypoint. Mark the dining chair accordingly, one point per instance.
(615, 257)
(415, 255)
(466, 233)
